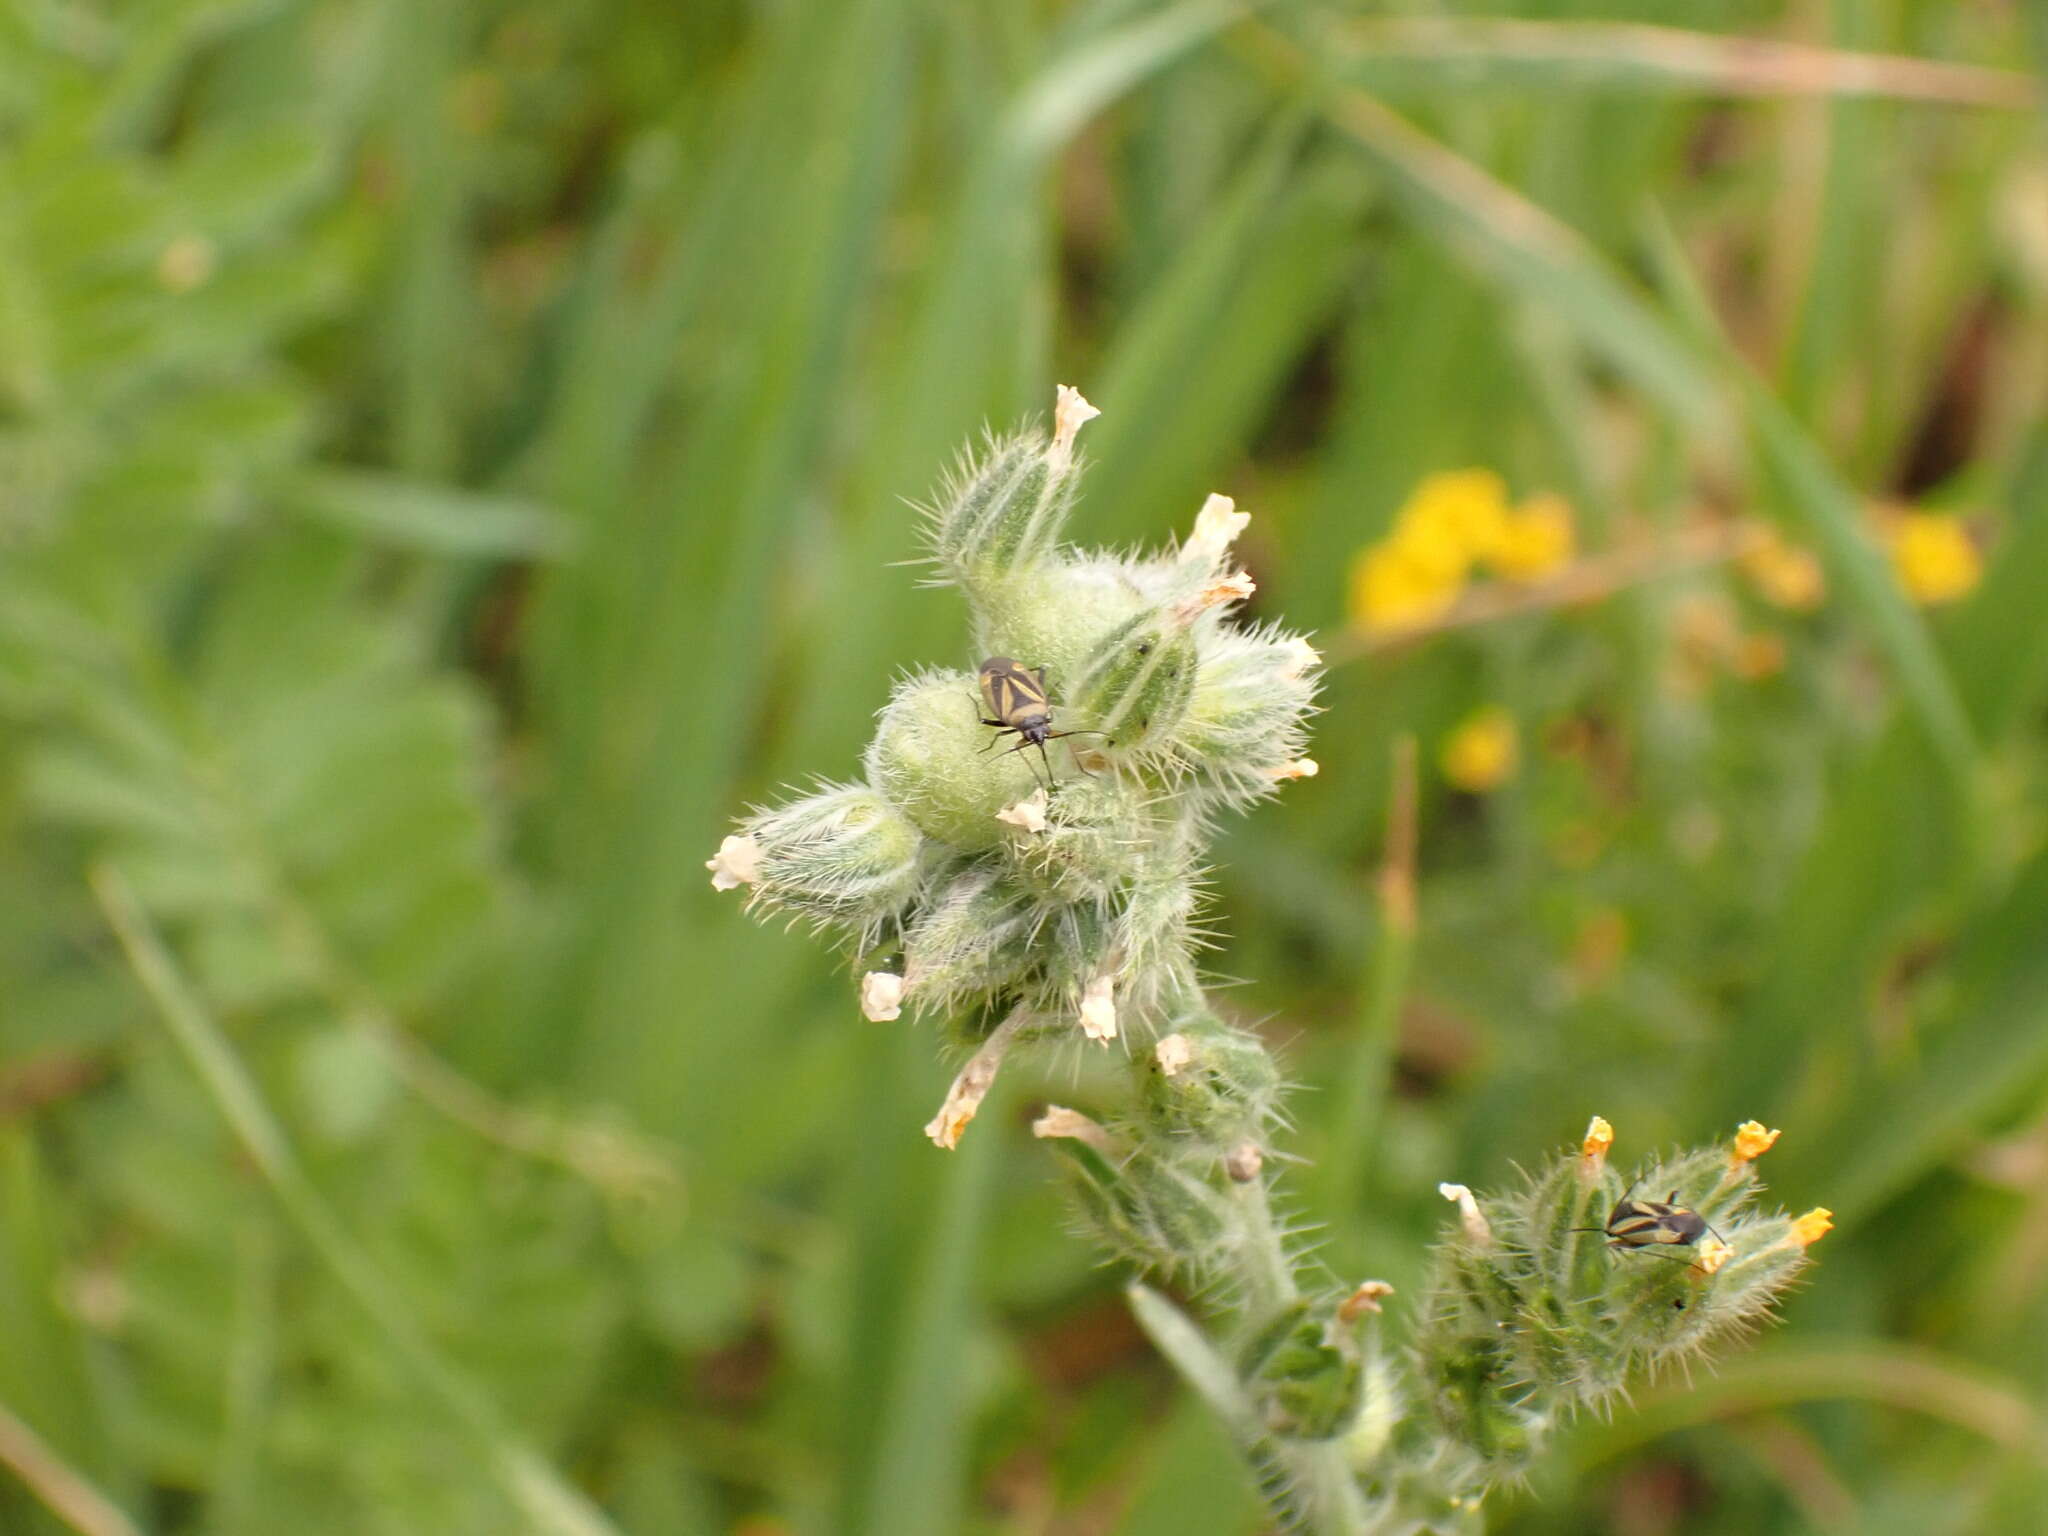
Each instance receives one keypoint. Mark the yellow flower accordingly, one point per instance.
(1536, 539)
(1752, 1141)
(1785, 574)
(1934, 557)
(1599, 1137)
(1481, 753)
(1812, 1227)
(1390, 590)
(1454, 518)
(1759, 656)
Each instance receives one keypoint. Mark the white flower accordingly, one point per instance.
(1468, 1212)
(1098, 1010)
(1060, 1123)
(737, 863)
(1300, 655)
(1028, 814)
(1069, 412)
(881, 996)
(1174, 1053)
(1216, 526)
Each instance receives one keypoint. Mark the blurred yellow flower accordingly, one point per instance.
(1934, 557)
(1785, 574)
(1454, 518)
(1758, 656)
(1453, 522)
(1391, 590)
(1535, 540)
(1482, 752)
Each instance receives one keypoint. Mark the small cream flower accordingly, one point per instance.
(737, 863)
(1234, 587)
(971, 1085)
(1300, 768)
(1217, 526)
(1098, 1010)
(1713, 1253)
(1059, 1123)
(1469, 1214)
(1069, 413)
(1028, 814)
(1366, 1298)
(1174, 1053)
(1301, 656)
(881, 996)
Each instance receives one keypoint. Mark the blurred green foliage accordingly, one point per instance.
(451, 459)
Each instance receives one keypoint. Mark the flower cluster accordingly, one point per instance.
(1554, 1298)
(1454, 524)
(1030, 888)
(1047, 891)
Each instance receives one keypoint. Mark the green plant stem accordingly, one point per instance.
(534, 1486)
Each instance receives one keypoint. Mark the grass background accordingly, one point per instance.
(451, 459)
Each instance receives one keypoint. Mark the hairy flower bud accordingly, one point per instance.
(1223, 1087)
(965, 945)
(1136, 682)
(930, 757)
(1001, 513)
(843, 855)
(1303, 1371)
(1153, 1214)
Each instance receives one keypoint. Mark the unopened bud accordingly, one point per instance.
(1243, 1162)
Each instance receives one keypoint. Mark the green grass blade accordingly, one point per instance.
(1471, 53)
(1515, 245)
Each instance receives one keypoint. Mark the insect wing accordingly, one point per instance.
(1013, 694)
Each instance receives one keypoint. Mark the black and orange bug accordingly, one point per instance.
(1652, 1224)
(1015, 699)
